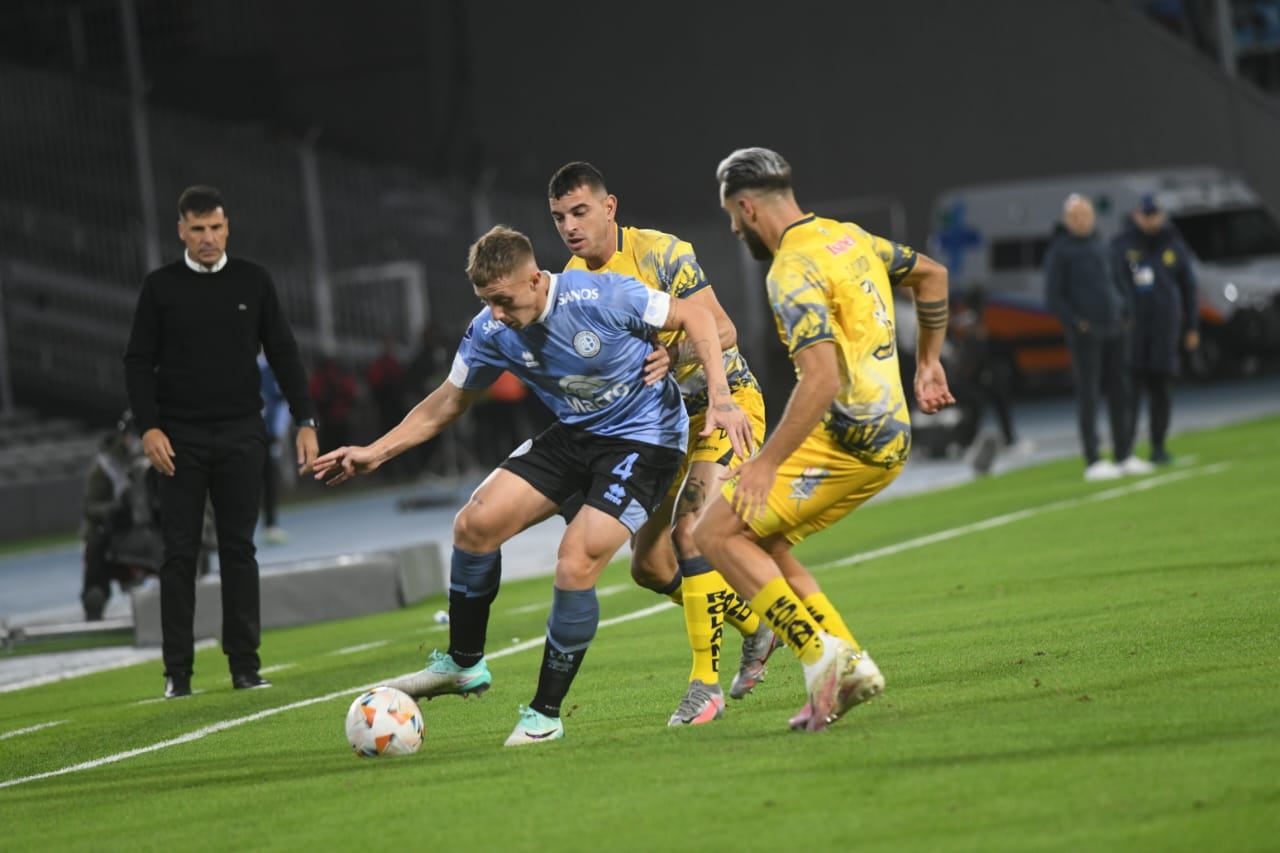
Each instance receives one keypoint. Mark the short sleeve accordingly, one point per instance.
(801, 298)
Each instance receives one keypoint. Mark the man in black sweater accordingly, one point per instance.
(1096, 314)
(193, 383)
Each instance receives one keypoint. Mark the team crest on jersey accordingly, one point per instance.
(586, 344)
(803, 487)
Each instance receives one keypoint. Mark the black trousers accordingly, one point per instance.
(223, 462)
(1101, 362)
(1158, 387)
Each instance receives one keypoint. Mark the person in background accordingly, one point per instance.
(275, 415)
(1153, 265)
(334, 390)
(1096, 314)
(194, 387)
(110, 511)
(386, 378)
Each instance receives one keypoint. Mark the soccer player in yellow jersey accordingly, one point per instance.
(845, 433)
(664, 557)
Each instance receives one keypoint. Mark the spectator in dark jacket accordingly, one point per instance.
(1095, 312)
(1153, 266)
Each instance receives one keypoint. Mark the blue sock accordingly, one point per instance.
(575, 615)
(473, 585)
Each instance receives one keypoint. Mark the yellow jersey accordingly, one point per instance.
(831, 281)
(666, 263)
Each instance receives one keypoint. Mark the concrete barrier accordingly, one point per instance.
(311, 591)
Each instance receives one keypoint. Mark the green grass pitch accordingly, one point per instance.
(1070, 666)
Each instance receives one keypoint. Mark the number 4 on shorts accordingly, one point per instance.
(623, 469)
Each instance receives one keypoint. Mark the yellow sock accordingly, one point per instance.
(704, 608)
(780, 607)
(737, 612)
(829, 618)
(678, 595)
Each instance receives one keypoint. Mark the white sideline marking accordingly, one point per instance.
(942, 536)
(29, 729)
(363, 647)
(602, 592)
(156, 699)
(267, 670)
(137, 656)
(1010, 517)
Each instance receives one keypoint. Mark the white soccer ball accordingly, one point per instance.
(384, 721)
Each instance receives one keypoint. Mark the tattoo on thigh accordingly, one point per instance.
(692, 497)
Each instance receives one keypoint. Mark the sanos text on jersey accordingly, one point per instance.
(577, 296)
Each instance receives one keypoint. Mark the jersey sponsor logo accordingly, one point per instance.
(584, 295)
(491, 326)
(840, 246)
(529, 360)
(585, 394)
(803, 487)
(586, 344)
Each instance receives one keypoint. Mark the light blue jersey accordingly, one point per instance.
(584, 358)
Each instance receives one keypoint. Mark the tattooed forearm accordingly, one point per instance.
(932, 315)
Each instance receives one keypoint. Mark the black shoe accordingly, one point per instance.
(177, 686)
(248, 681)
(95, 602)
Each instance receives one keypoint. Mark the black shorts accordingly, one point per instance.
(622, 478)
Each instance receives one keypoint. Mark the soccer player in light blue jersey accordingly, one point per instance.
(580, 342)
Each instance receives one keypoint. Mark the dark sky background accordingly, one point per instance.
(904, 98)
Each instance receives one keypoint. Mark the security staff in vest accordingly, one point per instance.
(1153, 262)
(192, 376)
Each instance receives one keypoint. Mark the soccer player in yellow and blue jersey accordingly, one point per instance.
(846, 431)
(665, 558)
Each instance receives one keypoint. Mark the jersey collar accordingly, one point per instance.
(201, 268)
(804, 220)
(551, 297)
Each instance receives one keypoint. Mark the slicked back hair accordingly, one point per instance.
(570, 176)
(199, 199)
(498, 253)
(753, 169)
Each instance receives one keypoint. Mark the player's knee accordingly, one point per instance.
(471, 532)
(649, 573)
(682, 537)
(709, 531)
(576, 571)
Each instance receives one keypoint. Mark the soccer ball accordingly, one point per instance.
(384, 721)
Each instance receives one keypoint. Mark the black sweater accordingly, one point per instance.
(193, 350)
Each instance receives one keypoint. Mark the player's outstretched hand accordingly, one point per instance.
(932, 393)
(338, 466)
(729, 417)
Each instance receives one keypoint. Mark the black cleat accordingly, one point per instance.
(249, 681)
(177, 686)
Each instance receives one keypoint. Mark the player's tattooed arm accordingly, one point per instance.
(932, 314)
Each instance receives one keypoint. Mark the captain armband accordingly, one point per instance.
(932, 315)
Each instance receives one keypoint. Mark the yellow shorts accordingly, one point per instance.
(817, 486)
(716, 447)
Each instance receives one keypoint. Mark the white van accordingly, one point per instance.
(995, 236)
